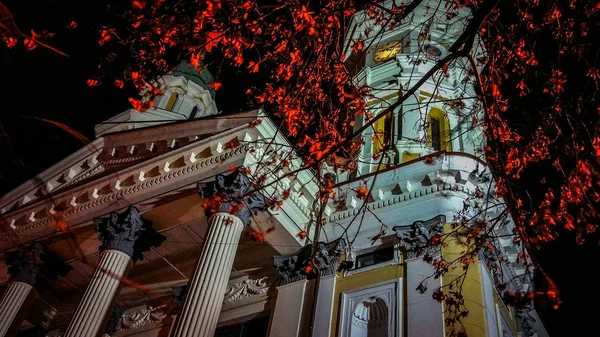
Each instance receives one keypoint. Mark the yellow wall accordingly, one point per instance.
(409, 156)
(472, 290)
(360, 280)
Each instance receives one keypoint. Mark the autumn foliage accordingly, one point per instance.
(537, 89)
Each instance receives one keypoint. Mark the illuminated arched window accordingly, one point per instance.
(438, 135)
(384, 129)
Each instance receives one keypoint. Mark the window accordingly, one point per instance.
(172, 100)
(375, 257)
(387, 51)
(383, 131)
(253, 328)
(436, 142)
(438, 133)
(194, 112)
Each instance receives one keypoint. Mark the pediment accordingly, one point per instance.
(113, 153)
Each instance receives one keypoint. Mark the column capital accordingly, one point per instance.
(292, 268)
(35, 265)
(233, 194)
(127, 232)
(417, 238)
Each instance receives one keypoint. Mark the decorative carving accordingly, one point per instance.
(35, 265)
(231, 193)
(138, 318)
(127, 232)
(291, 267)
(246, 289)
(416, 239)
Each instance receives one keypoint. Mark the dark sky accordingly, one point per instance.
(42, 84)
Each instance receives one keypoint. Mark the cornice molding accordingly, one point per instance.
(405, 197)
(189, 166)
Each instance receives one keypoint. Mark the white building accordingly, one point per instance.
(126, 215)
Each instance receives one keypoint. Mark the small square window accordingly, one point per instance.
(375, 257)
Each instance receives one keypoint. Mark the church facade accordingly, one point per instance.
(123, 237)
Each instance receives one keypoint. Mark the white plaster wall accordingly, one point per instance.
(286, 320)
(425, 315)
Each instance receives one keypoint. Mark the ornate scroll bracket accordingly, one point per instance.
(418, 239)
(127, 232)
(233, 194)
(35, 265)
(246, 289)
(291, 267)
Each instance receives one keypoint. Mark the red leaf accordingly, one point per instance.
(217, 85)
(138, 4)
(10, 42)
(257, 237)
(29, 44)
(362, 192)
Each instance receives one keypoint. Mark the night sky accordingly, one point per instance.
(42, 84)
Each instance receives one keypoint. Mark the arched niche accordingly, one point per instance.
(370, 318)
(372, 310)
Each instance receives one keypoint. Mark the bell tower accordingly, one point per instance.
(440, 115)
(188, 94)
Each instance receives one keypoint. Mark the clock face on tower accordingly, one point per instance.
(387, 51)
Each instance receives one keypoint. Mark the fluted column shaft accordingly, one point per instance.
(205, 291)
(97, 302)
(14, 298)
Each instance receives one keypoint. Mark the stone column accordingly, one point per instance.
(229, 204)
(30, 269)
(17, 293)
(124, 238)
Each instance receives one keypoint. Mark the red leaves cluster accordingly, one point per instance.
(302, 234)
(362, 193)
(257, 236)
(562, 143)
